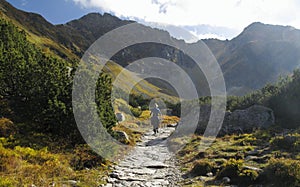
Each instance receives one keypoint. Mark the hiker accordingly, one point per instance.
(155, 118)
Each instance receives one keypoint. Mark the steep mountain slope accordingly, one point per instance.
(75, 36)
(92, 26)
(39, 31)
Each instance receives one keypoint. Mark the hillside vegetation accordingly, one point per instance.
(268, 157)
(40, 143)
(282, 97)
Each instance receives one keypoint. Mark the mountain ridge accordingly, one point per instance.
(257, 56)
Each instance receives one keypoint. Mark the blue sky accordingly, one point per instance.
(230, 15)
(55, 11)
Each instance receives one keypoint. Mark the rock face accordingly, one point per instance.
(239, 121)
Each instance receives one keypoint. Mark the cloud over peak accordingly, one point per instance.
(233, 14)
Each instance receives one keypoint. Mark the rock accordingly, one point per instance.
(255, 116)
(250, 157)
(239, 121)
(156, 165)
(226, 180)
(122, 137)
(120, 117)
(261, 160)
(172, 125)
(188, 182)
(254, 152)
(114, 175)
(210, 174)
(108, 185)
(72, 182)
(253, 169)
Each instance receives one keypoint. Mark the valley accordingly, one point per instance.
(42, 143)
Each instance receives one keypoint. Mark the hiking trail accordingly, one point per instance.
(149, 164)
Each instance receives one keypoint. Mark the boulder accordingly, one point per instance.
(255, 116)
(239, 121)
(120, 117)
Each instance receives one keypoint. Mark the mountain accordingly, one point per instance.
(39, 31)
(69, 41)
(257, 56)
(75, 36)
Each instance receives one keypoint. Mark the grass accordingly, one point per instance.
(235, 156)
(24, 166)
(46, 44)
(41, 159)
(143, 87)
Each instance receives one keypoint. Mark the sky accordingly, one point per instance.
(231, 15)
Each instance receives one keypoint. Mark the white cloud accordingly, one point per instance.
(235, 14)
(24, 3)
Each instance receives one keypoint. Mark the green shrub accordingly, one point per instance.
(85, 157)
(201, 168)
(231, 168)
(282, 172)
(288, 143)
(249, 175)
(5, 182)
(262, 136)
(237, 173)
(145, 107)
(7, 128)
(9, 160)
(136, 112)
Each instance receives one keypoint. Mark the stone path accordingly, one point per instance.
(150, 164)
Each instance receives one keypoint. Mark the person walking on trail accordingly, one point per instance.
(155, 118)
